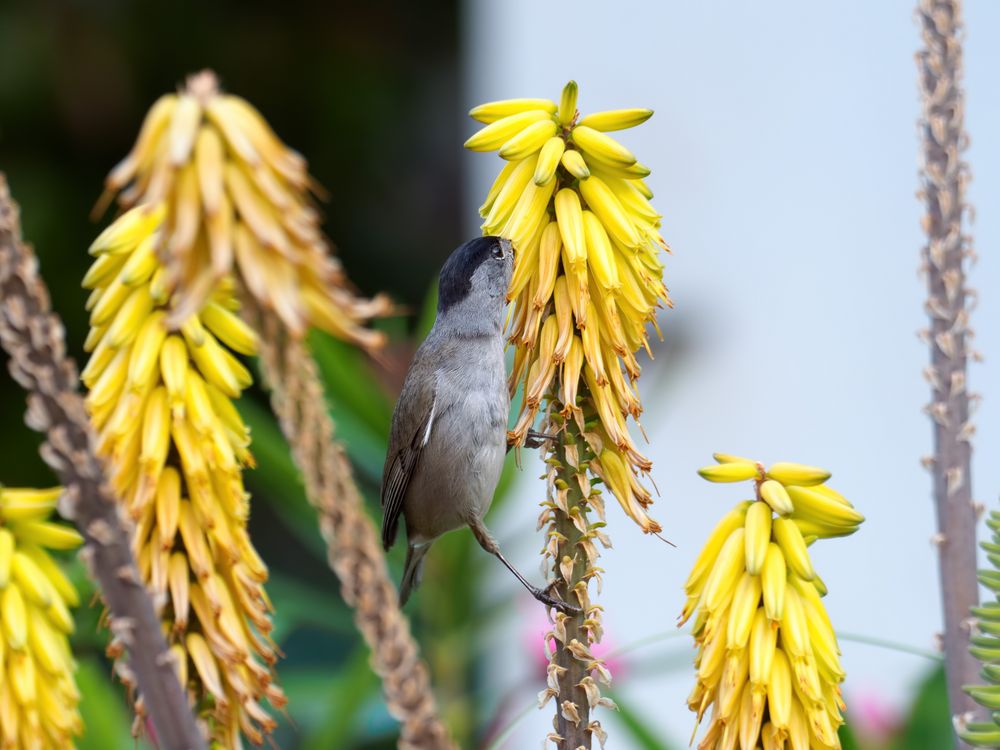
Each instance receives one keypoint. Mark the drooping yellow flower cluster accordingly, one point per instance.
(768, 661)
(238, 199)
(38, 694)
(162, 404)
(587, 276)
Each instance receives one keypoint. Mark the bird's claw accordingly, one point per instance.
(536, 439)
(545, 597)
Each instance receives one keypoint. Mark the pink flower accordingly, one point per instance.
(534, 641)
(872, 717)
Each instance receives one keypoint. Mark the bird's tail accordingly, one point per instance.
(413, 570)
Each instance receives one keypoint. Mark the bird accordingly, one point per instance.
(449, 427)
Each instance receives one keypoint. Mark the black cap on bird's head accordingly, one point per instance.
(485, 262)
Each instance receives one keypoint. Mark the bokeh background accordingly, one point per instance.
(784, 155)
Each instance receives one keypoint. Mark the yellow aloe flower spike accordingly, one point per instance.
(587, 280)
(765, 642)
(237, 202)
(38, 693)
(161, 403)
(587, 246)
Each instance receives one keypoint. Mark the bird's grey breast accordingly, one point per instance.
(465, 450)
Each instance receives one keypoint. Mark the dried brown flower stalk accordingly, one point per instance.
(35, 340)
(353, 547)
(944, 258)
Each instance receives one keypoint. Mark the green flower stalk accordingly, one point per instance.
(587, 280)
(986, 648)
(768, 662)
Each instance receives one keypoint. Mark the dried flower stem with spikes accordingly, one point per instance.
(944, 178)
(572, 545)
(353, 547)
(34, 338)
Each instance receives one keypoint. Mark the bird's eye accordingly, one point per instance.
(497, 252)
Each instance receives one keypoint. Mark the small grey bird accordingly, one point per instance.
(449, 427)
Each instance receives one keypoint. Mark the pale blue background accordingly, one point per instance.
(784, 153)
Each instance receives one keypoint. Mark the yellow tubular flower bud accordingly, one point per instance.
(746, 597)
(758, 526)
(525, 269)
(574, 164)
(591, 336)
(725, 573)
(611, 212)
(619, 119)
(548, 160)
(749, 721)
(29, 578)
(528, 214)
(731, 688)
(779, 690)
(601, 146)
(773, 579)
(797, 474)
(578, 291)
(572, 367)
(529, 141)
(28, 504)
(600, 256)
(549, 252)
(710, 552)
(793, 547)
(493, 111)
(498, 185)
(794, 627)
(775, 495)
(811, 504)
(507, 198)
(570, 218)
(497, 133)
(567, 103)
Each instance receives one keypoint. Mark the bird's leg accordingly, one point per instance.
(488, 543)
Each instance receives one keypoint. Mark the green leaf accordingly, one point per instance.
(641, 733)
(106, 720)
(928, 727)
(847, 739)
(342, 702)
(428, 312)
(297, 604)
(277, 479)
(351, 385)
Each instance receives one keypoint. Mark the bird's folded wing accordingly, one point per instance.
(408, 439)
